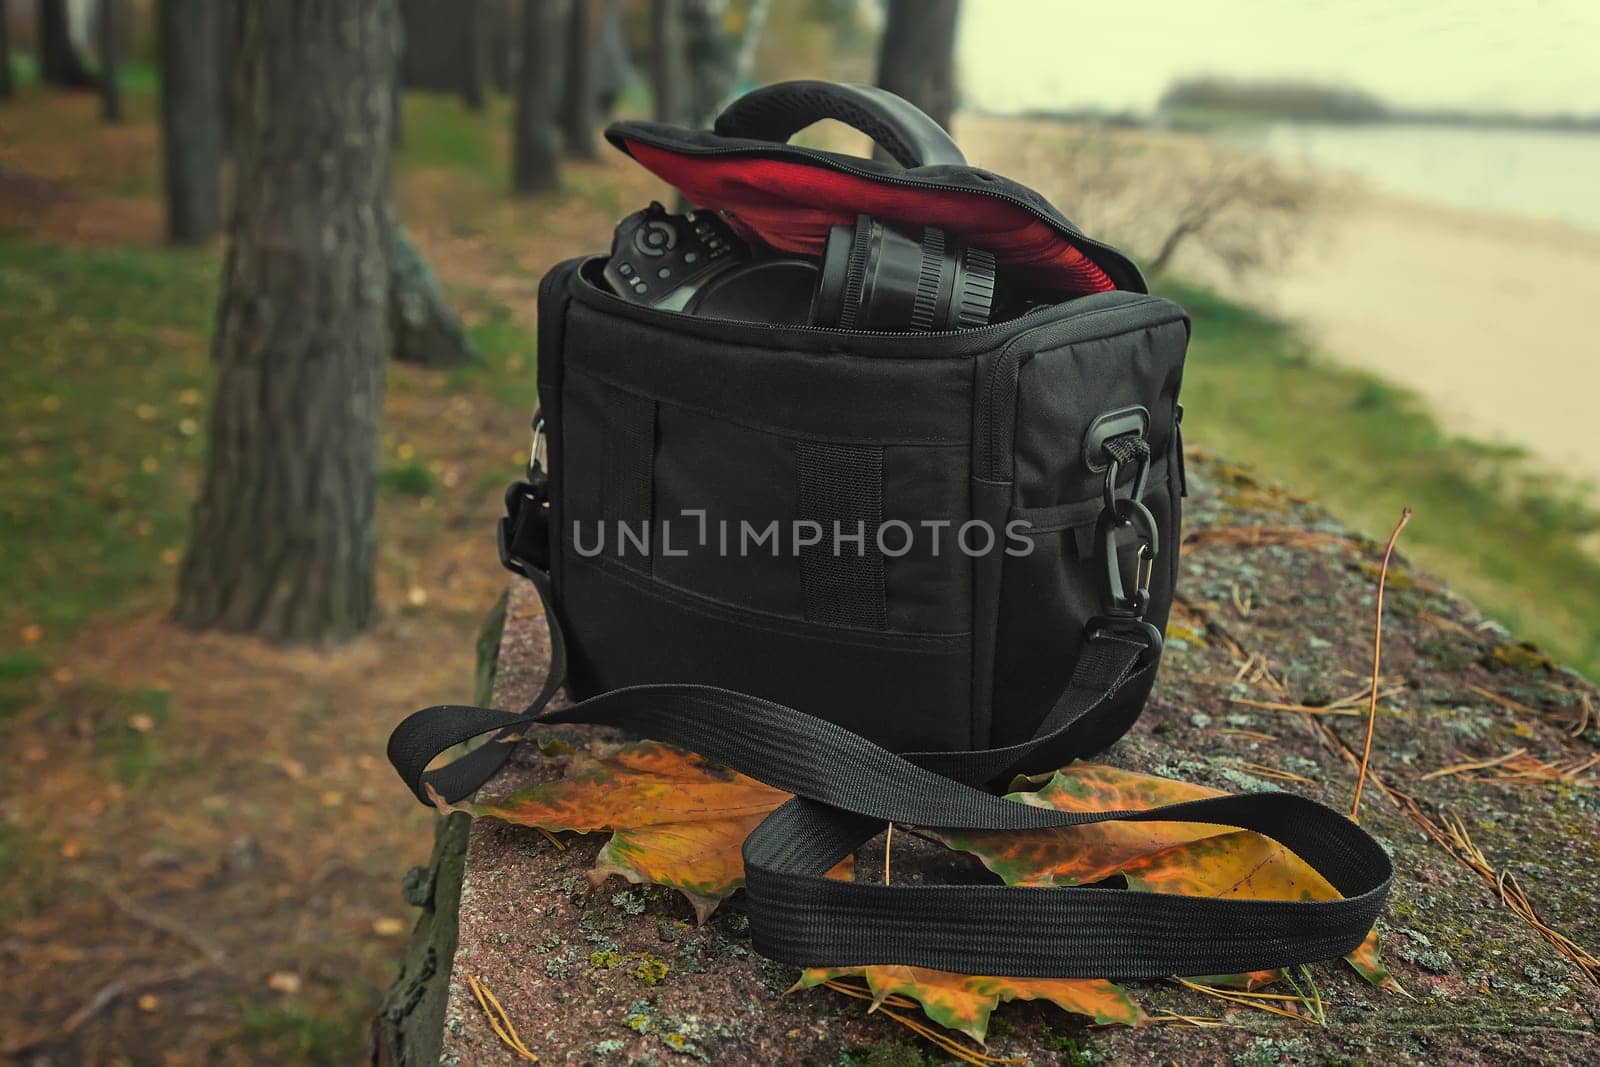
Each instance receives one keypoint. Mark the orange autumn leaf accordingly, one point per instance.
(1365, 959)
(1247, 982)
(965, 1002)
(1193, 859)
(676, 819)
(1075, 855)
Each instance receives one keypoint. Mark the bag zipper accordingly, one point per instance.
(1111, 313)
(829, 161)
(679, 318)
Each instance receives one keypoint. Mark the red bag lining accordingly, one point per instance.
(790, 206)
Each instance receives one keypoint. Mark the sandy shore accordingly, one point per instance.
(1490, 319)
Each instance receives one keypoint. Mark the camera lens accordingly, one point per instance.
(877, 278)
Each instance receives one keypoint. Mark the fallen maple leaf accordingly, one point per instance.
(676, 819)
(1193, 859)
(680, 820)
(964, 1002)
(1365, 959)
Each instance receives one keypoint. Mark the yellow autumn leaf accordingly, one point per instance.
(964, 1002)
(676, 819)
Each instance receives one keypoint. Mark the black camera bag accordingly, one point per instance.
(880, 686)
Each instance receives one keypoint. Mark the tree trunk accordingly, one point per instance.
(612, 68)
(7, 86)
(283, 535)
(191, 119)
(668, 74)
(501, 33)
(59, 63)
(578, 95)
(536, 156)
(426, 331)
(229, 23)
(110, 91)
(710, 57)
(916, 56)
(473, 94)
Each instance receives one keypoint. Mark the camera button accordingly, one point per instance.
(625, 269)
(690, 257)
(655, 239)
(664, 272)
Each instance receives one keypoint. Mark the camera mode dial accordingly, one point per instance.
(660, 259)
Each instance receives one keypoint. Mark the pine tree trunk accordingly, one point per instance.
(7, 86)
(710, 56)
(536, 156)
(110, 90)
(578, 96)
(283, 535)
(473, 94)
(59, 63)
(500, 22)
(668, 71)
(229, 23)
(191, 118)
(613, 70)
(916, 56)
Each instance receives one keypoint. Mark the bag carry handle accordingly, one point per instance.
(777, 112)
(846, 788)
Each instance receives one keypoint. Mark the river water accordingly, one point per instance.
(1542, 174)
(1461, 263)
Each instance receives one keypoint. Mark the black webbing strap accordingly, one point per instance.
(628, 492)
(846, 788)
(841, 491)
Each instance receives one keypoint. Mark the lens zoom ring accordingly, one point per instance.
(926, 302)
(976, 298)
(855, 276)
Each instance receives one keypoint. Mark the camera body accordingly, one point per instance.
(870, 277)
(663, 260)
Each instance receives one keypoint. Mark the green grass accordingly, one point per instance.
(408, 479)
(103, 396)
(505, 357)
(1508, 537)
(295, 1033)
(128, 731)
(438, 132)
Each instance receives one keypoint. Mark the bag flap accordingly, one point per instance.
(788, 197)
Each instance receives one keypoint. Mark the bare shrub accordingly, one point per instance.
(1157, 193)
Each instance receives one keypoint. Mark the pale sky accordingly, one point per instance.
(1518, 55)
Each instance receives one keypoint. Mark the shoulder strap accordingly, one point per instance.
(846, 788)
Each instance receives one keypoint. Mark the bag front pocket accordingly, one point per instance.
(904, 691)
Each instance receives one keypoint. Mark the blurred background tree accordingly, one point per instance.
(578, 94)
(7, 83)
(107, 26)
(536, 152)
(60, 64)
(284, 531)
(192, 106)
(916, 54)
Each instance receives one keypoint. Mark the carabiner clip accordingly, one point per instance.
(1125, 598)
(539, 451)
(1108, 495)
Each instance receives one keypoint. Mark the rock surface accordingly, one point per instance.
(1275, 608)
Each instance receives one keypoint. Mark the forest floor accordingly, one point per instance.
(200, 845)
